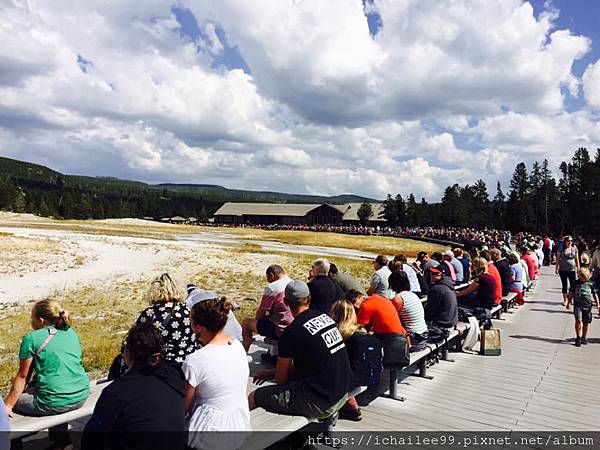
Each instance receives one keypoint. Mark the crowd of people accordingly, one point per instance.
(446, 234)
(184, 365)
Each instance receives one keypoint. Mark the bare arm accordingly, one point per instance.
(188, 399)
(468, 290)
(557, 261)
(18, 385)
(284, 370)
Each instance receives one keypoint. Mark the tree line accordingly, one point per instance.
(35, 189)
(535, 201)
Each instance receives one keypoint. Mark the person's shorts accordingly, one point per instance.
(295, 399)
(582, 314)
(267, 329)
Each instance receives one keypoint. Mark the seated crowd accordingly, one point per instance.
(184, 365)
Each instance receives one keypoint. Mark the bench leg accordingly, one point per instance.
(394, 386)
(445, 353)
(329, 425)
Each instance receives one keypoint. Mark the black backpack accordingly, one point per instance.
(366, 361)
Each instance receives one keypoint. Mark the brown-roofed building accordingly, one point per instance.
(279, 213)
(295, 214)
(351, 214)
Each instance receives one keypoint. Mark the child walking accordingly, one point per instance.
(583, 295)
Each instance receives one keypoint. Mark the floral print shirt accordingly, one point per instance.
(174, 324)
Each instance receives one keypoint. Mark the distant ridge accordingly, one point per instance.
(33, 188)
(266, 196)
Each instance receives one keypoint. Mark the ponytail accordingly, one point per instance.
(52, 313)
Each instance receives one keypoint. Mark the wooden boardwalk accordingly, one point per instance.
(540, 382)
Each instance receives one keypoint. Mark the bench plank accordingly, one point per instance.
(25, 425)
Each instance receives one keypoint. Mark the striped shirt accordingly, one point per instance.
(411, 314)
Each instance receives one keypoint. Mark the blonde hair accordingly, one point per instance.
(164, 289)
(585, 258)
(52, 313)
(584, 274)
(480, 264)
(344, 315)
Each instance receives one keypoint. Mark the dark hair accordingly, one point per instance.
(211, 314)
(485, 254)
(381, 260)
(401, 257)
(523, 249)
(421, 254)
(333, 269)
(275, 269)
(395, 265)
(399, 281)
(352, 294)
(512, 258)
(145, 346)
(437, 256)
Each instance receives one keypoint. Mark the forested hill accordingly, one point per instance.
(27, 187)
(261, 196)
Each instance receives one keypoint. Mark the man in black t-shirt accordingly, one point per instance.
(313, 374)
(323, 291)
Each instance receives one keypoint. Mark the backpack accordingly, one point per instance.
(436, 333)
(367, 360)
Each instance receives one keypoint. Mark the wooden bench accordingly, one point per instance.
(420, 360)
(280, 426)
(23, 426)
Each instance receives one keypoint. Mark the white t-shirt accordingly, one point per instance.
(220, 375)
(412, 278)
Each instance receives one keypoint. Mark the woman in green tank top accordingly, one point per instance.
(52, 350)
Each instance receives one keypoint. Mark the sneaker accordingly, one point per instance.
(353, 415)
(583, 340)
(577, 341)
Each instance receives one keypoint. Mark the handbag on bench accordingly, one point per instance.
(395, 350)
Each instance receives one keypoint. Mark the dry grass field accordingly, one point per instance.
(103, 314)
(374, 244)
(104, 310)
(37, 254)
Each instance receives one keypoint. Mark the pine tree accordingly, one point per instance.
(19, 201)
(400, 211)
(499, 217)
(412, 211)
(364, 213)
(517, 210)
(390, 211)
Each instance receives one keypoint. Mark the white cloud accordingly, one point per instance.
(447, 91)
(289, 156)
(591, 85)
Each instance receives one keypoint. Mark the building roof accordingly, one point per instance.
(352, 212)
(349, 210)
(267, 209)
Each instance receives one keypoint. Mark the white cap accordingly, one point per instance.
(199, 295)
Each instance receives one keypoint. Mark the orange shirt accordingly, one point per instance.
(494, 272)
(380, 314)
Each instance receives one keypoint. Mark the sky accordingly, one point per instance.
(320, 97)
